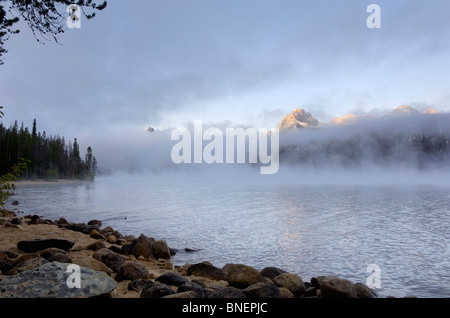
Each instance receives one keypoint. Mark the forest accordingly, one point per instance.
(48, 157)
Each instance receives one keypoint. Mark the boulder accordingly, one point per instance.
(207, 270)
(41, 244)
(111, 259)
(171, 278)
(95, 234)
(292, 282)
(191, 286)
(285, 293)
(271, 272)
(96, 223)
(53, 254)
(334, 287)
(185, 294)
(132, 271)
(242, 276)
(262, 290)
(363, 291)
(51, 281)
(111, 239)
(160, 249)
(142, 247)
(95, 246)
(26, 262)
(157, 291)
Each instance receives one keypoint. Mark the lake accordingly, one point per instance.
(308, 229)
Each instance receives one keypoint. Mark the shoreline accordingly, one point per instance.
(45, 181)
(141, 267)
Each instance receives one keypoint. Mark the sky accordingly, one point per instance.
(166, 63)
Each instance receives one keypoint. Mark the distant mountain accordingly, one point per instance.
(348, 119)
(403, 110)
(299, 118)
(430, 111)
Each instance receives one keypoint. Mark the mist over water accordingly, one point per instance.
(314, 217)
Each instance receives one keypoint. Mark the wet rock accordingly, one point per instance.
(191, 286)
(242, 276)
(15, 202)
(157, 291)
(334, 287)
(292, 282)
(314, 282)
(160, 249)
(262, 290)
(363, 291)
(41, 244)
(132, 271)
(50, 281)
(207, 270)
(171, 278)
(271, 272)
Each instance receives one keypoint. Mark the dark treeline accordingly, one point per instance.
(50, 157)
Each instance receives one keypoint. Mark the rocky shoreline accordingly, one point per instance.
(37, 258)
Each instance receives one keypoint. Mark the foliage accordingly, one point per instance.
(7, 180)
(44, 17)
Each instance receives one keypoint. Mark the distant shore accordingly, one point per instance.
(47, 181)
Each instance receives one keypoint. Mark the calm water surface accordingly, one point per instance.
(309, 230)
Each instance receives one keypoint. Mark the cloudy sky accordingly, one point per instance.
(166, 63)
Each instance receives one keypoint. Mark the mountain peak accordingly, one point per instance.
(403, 110)
(299, 118)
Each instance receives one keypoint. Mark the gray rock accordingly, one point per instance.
(157, 291)
(207, 270)
(171, 278)
(50, 281)
(191, 286)
(262, 290)
(41, 244)
(271, 272)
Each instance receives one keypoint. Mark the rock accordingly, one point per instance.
(171, 278)
(115, 249)
(93, 264)
(315, 283)
(50, 281)
(185, 294)
(95, 234)
(225, 292)
(190, 250)
(140, 284)
(242, 276)
(41, 244)
(111, 259)
(97, 223)
(15, 202)
(262, 290)
(6, 262)
(363, 291)
(16, 221)
(334, 287)
(26, 262)
(132, 271)
(34, 219)
(157, 291)
(160, 249)
(142, 247)
(271, 272)
(95, 246)
(292, 282)
(55, 255)
(311, 292)
(285, 293)
(191, 286)
(61, 221)
(207, 270)
(111, 239)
